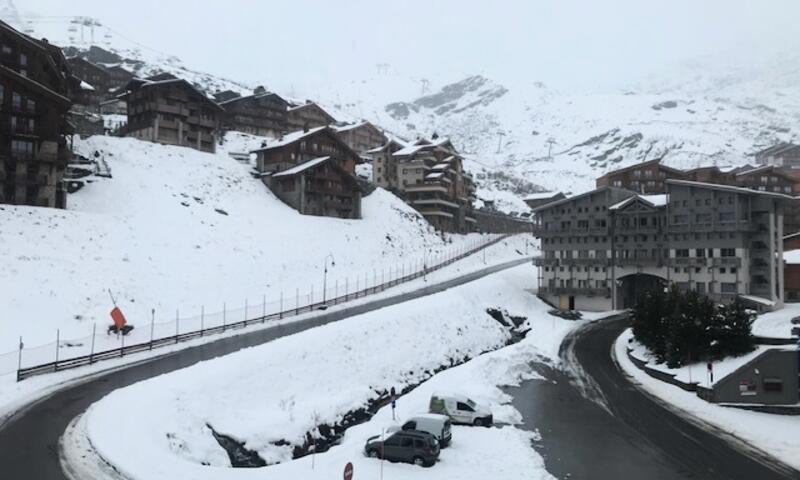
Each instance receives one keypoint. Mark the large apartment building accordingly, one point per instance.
(651, 178)
(34, 101)
(431, 177)
(312, 171)
(601, 249)
(362, 137)
(263, 113)
(169, 110)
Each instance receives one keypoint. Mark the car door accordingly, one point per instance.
(391, 447)
(466, 414)
(405, 452)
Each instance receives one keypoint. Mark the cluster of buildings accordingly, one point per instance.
(717, 231)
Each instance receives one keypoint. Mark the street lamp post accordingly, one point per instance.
(325, 276)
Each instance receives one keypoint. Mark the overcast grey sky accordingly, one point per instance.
(565, 43)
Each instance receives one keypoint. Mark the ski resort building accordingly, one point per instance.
(165, 109)
(313, 171)
(104, 81)
(781, 155)
(34, 101)
(362, 137)
(263, 113)
(307, 115)
(431, 178)
(536, 200)
(601, 249)
(384, 164)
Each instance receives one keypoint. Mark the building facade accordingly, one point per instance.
(384, 164)
(536, 200)
(34, 101)
(263, 113)
(601, 249)
(780, 155)
(307, 115)
(362, 137)
(312, 171)
(169, 110)
(645, 178)
(431, 178)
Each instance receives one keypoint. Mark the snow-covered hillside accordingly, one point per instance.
(180, 229)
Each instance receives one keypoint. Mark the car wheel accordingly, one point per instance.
(478, 422)
(419, 461)
(372, 453)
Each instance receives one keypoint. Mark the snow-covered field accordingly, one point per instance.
(281, 389)
(775, 434)
(177, 231)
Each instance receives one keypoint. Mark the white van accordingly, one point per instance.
(460, 409)
(436, 425)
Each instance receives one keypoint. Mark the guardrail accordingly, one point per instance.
(94, 357)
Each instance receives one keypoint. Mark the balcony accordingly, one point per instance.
(540, 261)
(688, 261)
(426, 187)
(726, 262)
(434, 201)
(584, 261)
(639, 262)
(588, 291)
(435, 213)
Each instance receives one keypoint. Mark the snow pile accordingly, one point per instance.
(178, 229)
(280, 390)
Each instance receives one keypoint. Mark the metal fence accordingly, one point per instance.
(65, 354)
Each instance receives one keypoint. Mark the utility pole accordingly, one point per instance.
(500, 136)
(550, 142)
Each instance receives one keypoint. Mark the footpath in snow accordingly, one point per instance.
(777, 435)
(281, 390)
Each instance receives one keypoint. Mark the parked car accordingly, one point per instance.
(410, 446)
(460, 409)
(435, 424)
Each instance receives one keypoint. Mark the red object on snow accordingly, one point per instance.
(118, 317)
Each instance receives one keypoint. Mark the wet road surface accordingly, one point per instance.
(595, 425)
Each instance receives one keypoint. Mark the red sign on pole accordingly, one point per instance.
(348, 471)
(118, 317)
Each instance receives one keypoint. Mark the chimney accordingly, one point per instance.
(259, 90)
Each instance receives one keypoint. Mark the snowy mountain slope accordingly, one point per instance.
(180, 229)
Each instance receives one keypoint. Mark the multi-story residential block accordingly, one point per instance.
(603, 248)
(104, 81)
(312, 171)
(169, 110)
(263, 113)
(307, 115)
(431, 177)
(362, 137)
(384, 164)
(781, 155)
(645, 178)
(34, 101)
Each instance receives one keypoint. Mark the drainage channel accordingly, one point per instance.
(329, 435)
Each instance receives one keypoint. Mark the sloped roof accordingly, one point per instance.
(301, 168)
(168, 79)
(641, 164)
(254, 96)
(728, 188)
(289, 139)
(654, 201)
(541, 195)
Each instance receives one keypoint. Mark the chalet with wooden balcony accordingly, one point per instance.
(307, 115)
(169, 110)
(263, 113)
(362, 137)
(432, 179)
(313, 171)
(34, 89)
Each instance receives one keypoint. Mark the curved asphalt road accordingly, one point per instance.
(29, 440)
(595, 425)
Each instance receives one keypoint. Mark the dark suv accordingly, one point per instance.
(411, 446)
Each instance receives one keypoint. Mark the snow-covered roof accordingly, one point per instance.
(434, 175)
(541, 195)
(301, 168)
(760, 300)
(792, 257)
(410, 149)
(441, 166)
(289, 138)
(728, 188)
(86, 86)
(653, 200)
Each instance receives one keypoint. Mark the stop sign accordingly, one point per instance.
(348, 471)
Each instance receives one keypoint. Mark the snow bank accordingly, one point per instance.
(281, 389)
(775, 434)
(177, 229)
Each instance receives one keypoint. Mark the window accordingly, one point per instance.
(733, 269)
(463, 407)
(727, 216)
(774, 385)
(419, 443)
(2, 93)
(23, 59)
(16, 101)
(700, 253)
(392, 441)
(407, 442)
(680, 219)
(703, 218)
(727, 287)
(31, 105)
(682, 252)
(727, 252)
